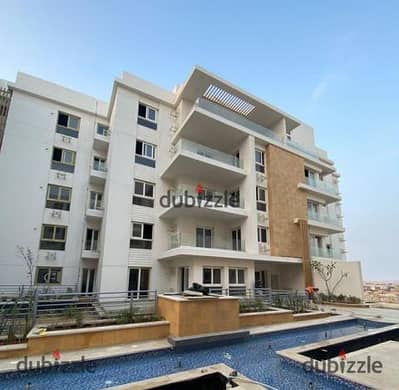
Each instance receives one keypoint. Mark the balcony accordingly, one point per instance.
(94, 213)
(328, 224)
(326, 191)
(182, 245)
(101, 139)
(90, 253)
(98, 174)
(184, 201)
(225, 128)
(325, 253)
(207, 164)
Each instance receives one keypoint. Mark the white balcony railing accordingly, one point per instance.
(322, 186)
(325, 252)
(205, 151)
(323, 218)
(239, 119)
(179, 239)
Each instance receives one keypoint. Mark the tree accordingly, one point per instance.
(326, 272)
(27, 255)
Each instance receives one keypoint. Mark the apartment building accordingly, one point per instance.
(157, 189)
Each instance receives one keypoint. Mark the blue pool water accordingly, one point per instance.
(255, 358)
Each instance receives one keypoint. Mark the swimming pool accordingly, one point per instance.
(255, 358)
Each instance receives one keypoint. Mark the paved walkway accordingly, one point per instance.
(372, 313)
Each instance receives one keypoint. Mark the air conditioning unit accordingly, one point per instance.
(66, 140)
(56, 214)
(260, 178)
(51, 256)
(262, 217)
(173, 149)
(174, 114)
(61, 175)
(173, 129)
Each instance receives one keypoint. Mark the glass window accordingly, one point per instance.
(73, 122)
(142, 110)
(48, 232)
(207, 276)
(147, 233)
(262, 234)
(137, 227)
(57, 154)
(138, 187)
(147, 112)
(217, 276)
(102, 130)
(259, 160)
(62, 119)
(52, 191)
(139, 148)
(47, 275)
(241, 278)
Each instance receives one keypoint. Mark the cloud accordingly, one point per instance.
(318, 91)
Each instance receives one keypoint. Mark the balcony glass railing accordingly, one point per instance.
(177, 240)
(213, 154)
(325, 252)
(229, 115)
(212, 198)
(320, 185)
(323, 218)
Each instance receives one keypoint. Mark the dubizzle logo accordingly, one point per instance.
(345, 365)
(57, 365)
(200, 198)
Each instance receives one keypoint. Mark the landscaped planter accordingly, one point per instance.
(13, 350)
(270, 317)
(72, 339)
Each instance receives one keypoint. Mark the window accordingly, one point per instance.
(48, 275)
(99, 164)
(53, 237)
(313, 209)
(259, 160)
(262, 234)
(68, 125)
(143, 193)
(261, 199)
(141, 235)
(236, 276)
(145, 154)
(147, 116)
(212, 276)
(204, 237)
(103, 130)
(139, 282)
(96, 200)
(58, 197)
(63, 160)
(91, 243)
(236, 239)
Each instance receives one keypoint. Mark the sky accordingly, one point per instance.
(332, 64)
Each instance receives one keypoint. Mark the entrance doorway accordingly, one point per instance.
(184, 274)
(87, 285)
(261, 279)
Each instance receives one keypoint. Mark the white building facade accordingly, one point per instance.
(156, 190)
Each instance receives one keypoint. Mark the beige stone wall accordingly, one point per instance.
(96, 337)
(191, 317)
(286, 202)
(267, 318)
